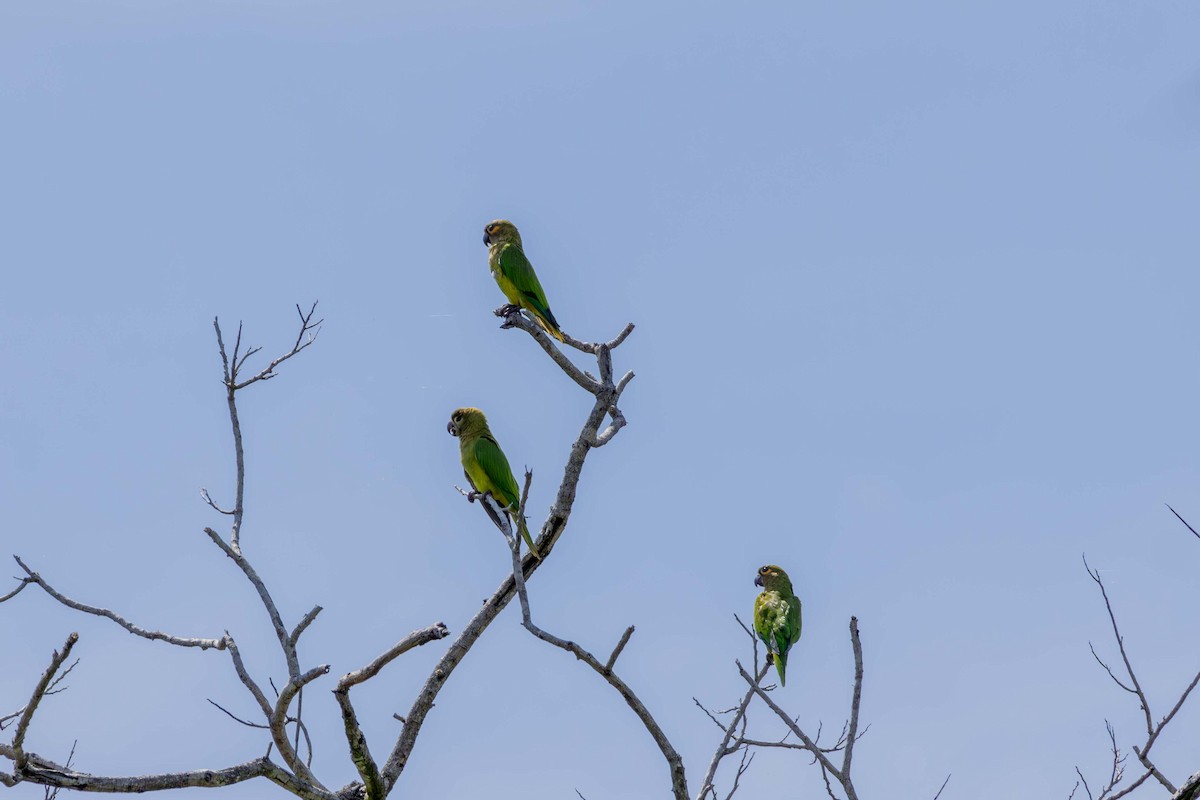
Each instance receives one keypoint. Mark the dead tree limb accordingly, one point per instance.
(606, 394)
(605, 670)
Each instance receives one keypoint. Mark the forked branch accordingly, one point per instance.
(606, 395)
(605, 670)
(360, 753)
(850, 737)
(1133, 686)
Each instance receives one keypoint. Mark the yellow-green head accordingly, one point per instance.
(467, 423)
(773, 579)
(501, 231)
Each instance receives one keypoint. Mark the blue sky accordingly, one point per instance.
(915, 292)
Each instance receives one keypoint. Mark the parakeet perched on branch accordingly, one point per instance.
(486, 467)
(777, 615)
(515, 274)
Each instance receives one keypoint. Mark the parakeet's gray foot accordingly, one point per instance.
(506, 309)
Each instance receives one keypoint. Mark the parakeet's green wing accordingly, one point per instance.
(777, 623)
(765, 615)
(491, 459)
(788, 633)
(516, 268)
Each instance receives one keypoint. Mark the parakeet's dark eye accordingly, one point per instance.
(457, 417)
(490, 229)
(763, 571)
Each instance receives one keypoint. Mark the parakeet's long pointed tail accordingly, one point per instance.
(549, 324)
(781, 667)
(524, 529)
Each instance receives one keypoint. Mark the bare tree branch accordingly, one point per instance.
(180, 641)
(360, 753)
(1086, 788)
(1184, 521)
(236, 718)
(552, 528)
(1153, 770)
(24, 582)
(303, 624)
(245, 678)
(616, 653)
(50, 793)
(281, 633)
(279, 722)
(747, 760)
(674, 762)
(1171, 715)
(1153, 731)
(417, 638)
(307, 326)
(1137, 688)
(856, 701)
(942, 789)
(231, 369)
(51, 689)
(809, 744)
(518, 320)
(44, 772)
(18, 743)
(723, 748)
(1108, 669)
(1131, 786)
(1190, 789)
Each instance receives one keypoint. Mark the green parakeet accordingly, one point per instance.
(486, 467)
(777, 615)
(515, 274)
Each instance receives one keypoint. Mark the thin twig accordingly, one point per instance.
(24, 582)
(307, 326)
(1095, 576)
(236, 718)
(612, 659)
(180, 641)
(1086, 788)
(39, 691)
(53, 688)
(51, 793)
(810, 745)
(723, 748)
(1184, 521)
(1108, 669)
(1132, 786)
(747, 760)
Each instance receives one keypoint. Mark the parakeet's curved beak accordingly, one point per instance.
(487, 239)
(758, 580)
(450, 429)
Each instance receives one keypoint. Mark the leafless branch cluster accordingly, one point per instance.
(604, 670)
(281, 714)
(294, 774)
(1112, 789)
(606, 393)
